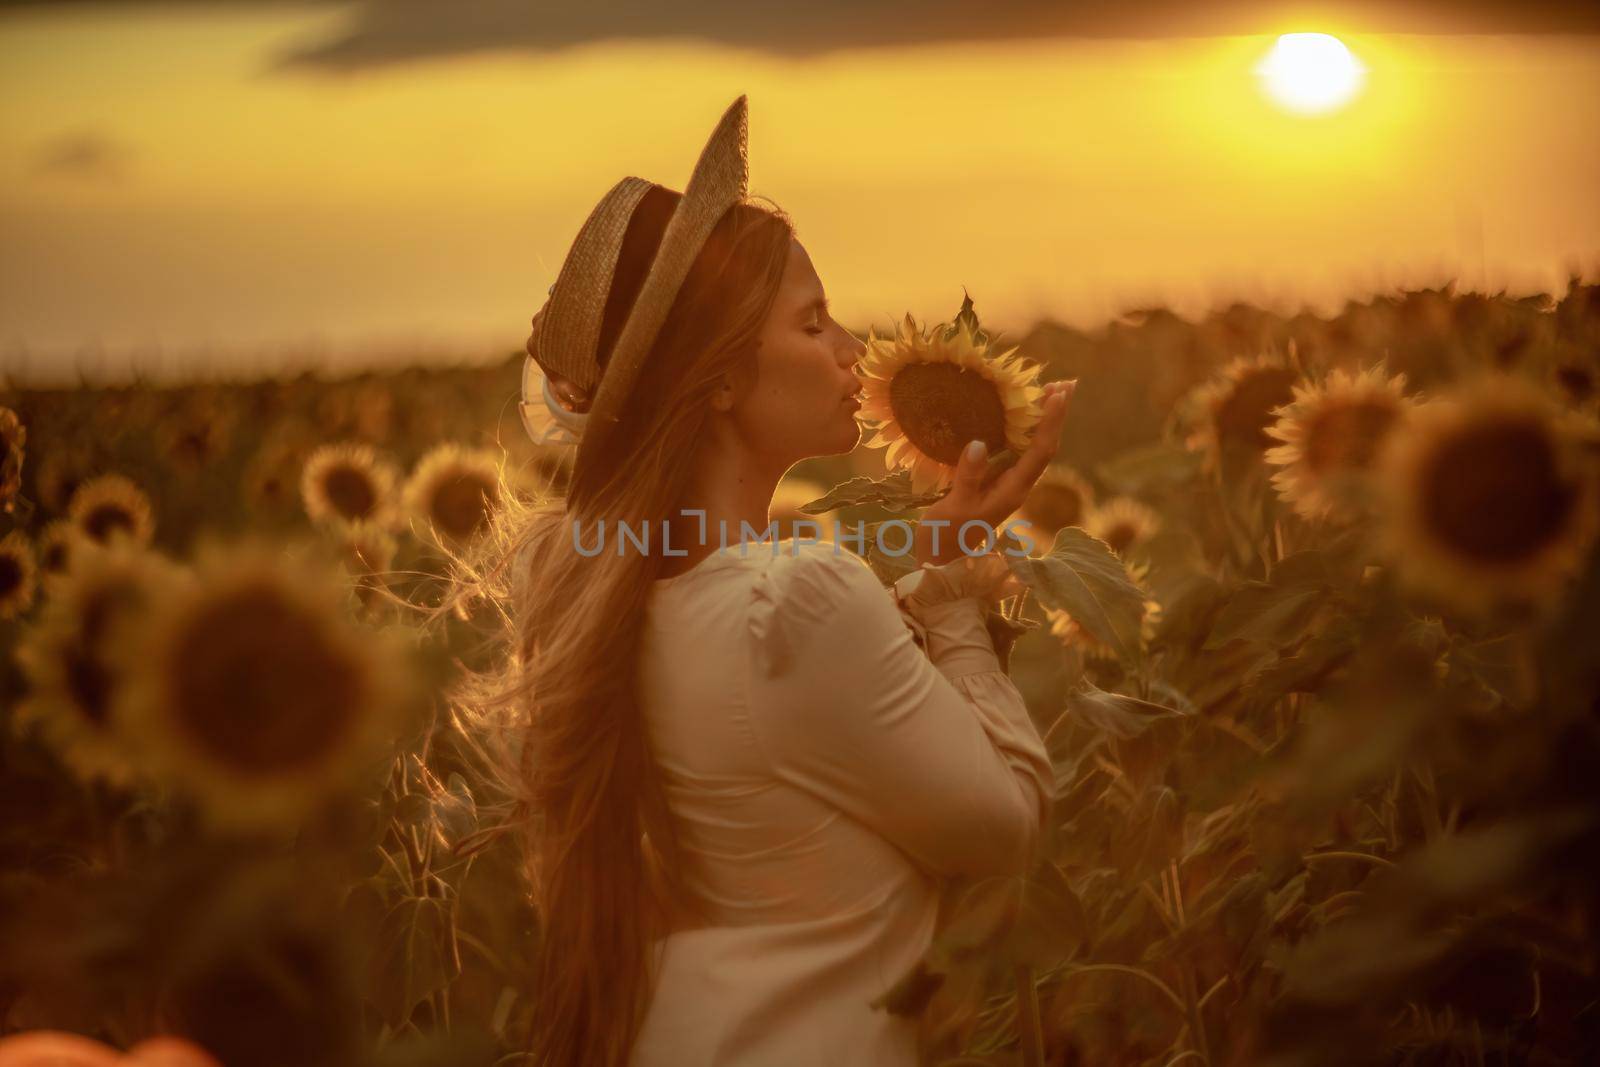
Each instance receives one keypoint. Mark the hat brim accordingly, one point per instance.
(720, 179)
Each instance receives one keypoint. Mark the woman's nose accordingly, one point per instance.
(852, 352)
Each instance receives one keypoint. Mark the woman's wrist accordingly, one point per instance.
(937, 541)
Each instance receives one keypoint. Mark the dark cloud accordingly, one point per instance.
(380, 32)
(85, 156)
(387, 31)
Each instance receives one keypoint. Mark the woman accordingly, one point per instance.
(745, 777)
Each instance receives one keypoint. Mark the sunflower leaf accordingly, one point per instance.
(970, 317)
(1115, 714)
(893, 492)
(1083, 577)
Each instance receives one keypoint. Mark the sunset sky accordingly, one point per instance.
(262, 179)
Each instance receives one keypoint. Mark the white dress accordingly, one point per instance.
(824, 772)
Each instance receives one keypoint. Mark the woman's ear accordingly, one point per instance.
(567, 391)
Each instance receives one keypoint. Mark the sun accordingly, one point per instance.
(1310, 73)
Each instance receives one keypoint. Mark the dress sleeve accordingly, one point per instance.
(935, 752)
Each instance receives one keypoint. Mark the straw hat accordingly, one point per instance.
(566, 330)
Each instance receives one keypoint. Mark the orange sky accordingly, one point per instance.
(159, 191)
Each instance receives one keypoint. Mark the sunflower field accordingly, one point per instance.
(1313, 637)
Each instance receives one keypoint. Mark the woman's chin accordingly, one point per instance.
(848, 439)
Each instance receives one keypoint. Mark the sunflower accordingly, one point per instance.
(253, 692)
(927, 396)
(1123, 523)
(1060, 498)
(785, 510)
(1487, 497)
(348, 482)
(13, 438)
(56, 548)
(1064, 627)
(1233, 410)
(17, 575)
(67, 655)
(112, 506)
(452, 491)
(1331, 433)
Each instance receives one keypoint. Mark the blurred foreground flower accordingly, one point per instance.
(1488, 497)
(348, 482)
(1233, 410)
(67, 655)
(1061, 497)
(112, 506)
(1122, 523)
(1332, 432)
(451, 491)
(13, 438)
(928, 395)
(18, 575)
(254, 691)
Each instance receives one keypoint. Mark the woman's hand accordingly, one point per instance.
(971, 499)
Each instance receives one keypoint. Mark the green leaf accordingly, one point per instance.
(968, 316)
(1274, 613)
(1051, 925)
(1036, 920)
(1114, 714)
(413, 958)
(893, 491)
(1082, 576)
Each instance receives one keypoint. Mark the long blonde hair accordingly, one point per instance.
(569, 745)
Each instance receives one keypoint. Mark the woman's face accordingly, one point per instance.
(802, 401)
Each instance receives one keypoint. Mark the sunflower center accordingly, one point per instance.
(258, 687)
(1120, 536)
(350, 492)
(460, 505)
(1494, 491)
(1053, 506)
(106, 519)
(10, 575)
(1246, 411)
(1347, 435)
(941, 407)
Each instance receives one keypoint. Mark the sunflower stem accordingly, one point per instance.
(1029, 1029)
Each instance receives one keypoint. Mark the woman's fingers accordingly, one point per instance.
(1011, 487)
(970, 469)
